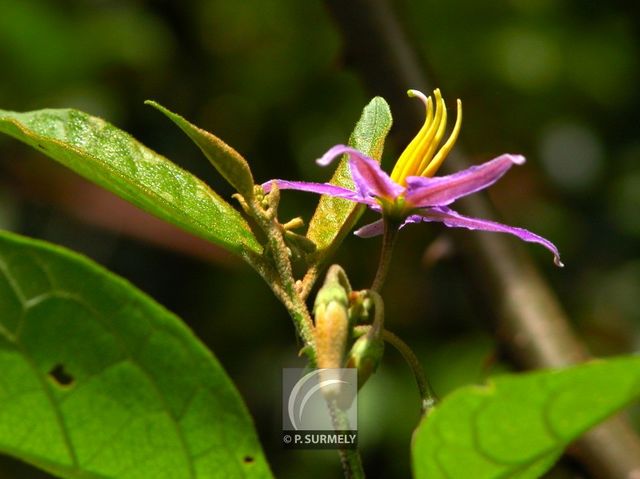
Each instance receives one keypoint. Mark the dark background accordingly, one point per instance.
(553, 80)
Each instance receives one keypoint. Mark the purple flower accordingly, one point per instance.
(411, 194)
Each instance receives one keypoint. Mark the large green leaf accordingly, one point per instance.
(335, 217)
(225, 159)
(99, 381)
(114, 160)
(518, 425)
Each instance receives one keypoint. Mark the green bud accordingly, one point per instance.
(294, 223)
(360, 308)
(243, 203)
(329, 293)
(365, 355)
(299, 243)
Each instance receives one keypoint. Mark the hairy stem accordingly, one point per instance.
(283, 284)
(386, 252)
(378, 319)
(427, 395)
(349, 458)
(308, 281)
(428, 399)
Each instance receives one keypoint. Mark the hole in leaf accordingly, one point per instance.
(60, 376)
(248, 459)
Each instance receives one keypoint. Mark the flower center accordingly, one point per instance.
(395, 208)
(424, 155)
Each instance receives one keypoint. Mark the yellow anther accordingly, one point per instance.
(425, 157)
(437, 160)
(422, 157)
(403, 164)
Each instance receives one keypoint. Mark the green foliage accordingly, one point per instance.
(335, 217)
(225, 159)
(518, 425)
(114, 160)
(100, 381)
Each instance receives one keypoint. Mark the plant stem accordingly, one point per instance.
(388, 242)
(349, 458)
(426, 392)
(283, 284)
(427, 396)
(378, 319)
(308, 281)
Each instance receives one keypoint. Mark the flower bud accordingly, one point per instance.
(332, 331)
(365, 356)
(331, 312)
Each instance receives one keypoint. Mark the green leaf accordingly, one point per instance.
(114, 160)
(518, 425)
(335, 217)
(99, 381)
(231, 165)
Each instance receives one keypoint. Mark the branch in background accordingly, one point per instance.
(530, 322)
(41, 181)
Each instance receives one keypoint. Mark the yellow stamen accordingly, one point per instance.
(404, 162)
(431, 144)
(437, 160)
(422, 157)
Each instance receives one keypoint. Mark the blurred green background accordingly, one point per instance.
(553, 80)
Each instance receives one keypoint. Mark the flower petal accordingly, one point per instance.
(369, 178)
(453, 219)
(372, 229)
(320, 188)
(377, 227)
(443, 190)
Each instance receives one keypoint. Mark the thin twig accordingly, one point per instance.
(428, 398)
(309, 280)
(426, 392)
(376, 330)
(386, 252)
(349, 458)
(284, 285)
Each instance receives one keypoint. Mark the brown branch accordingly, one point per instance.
(530, 322)
(40, 180)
